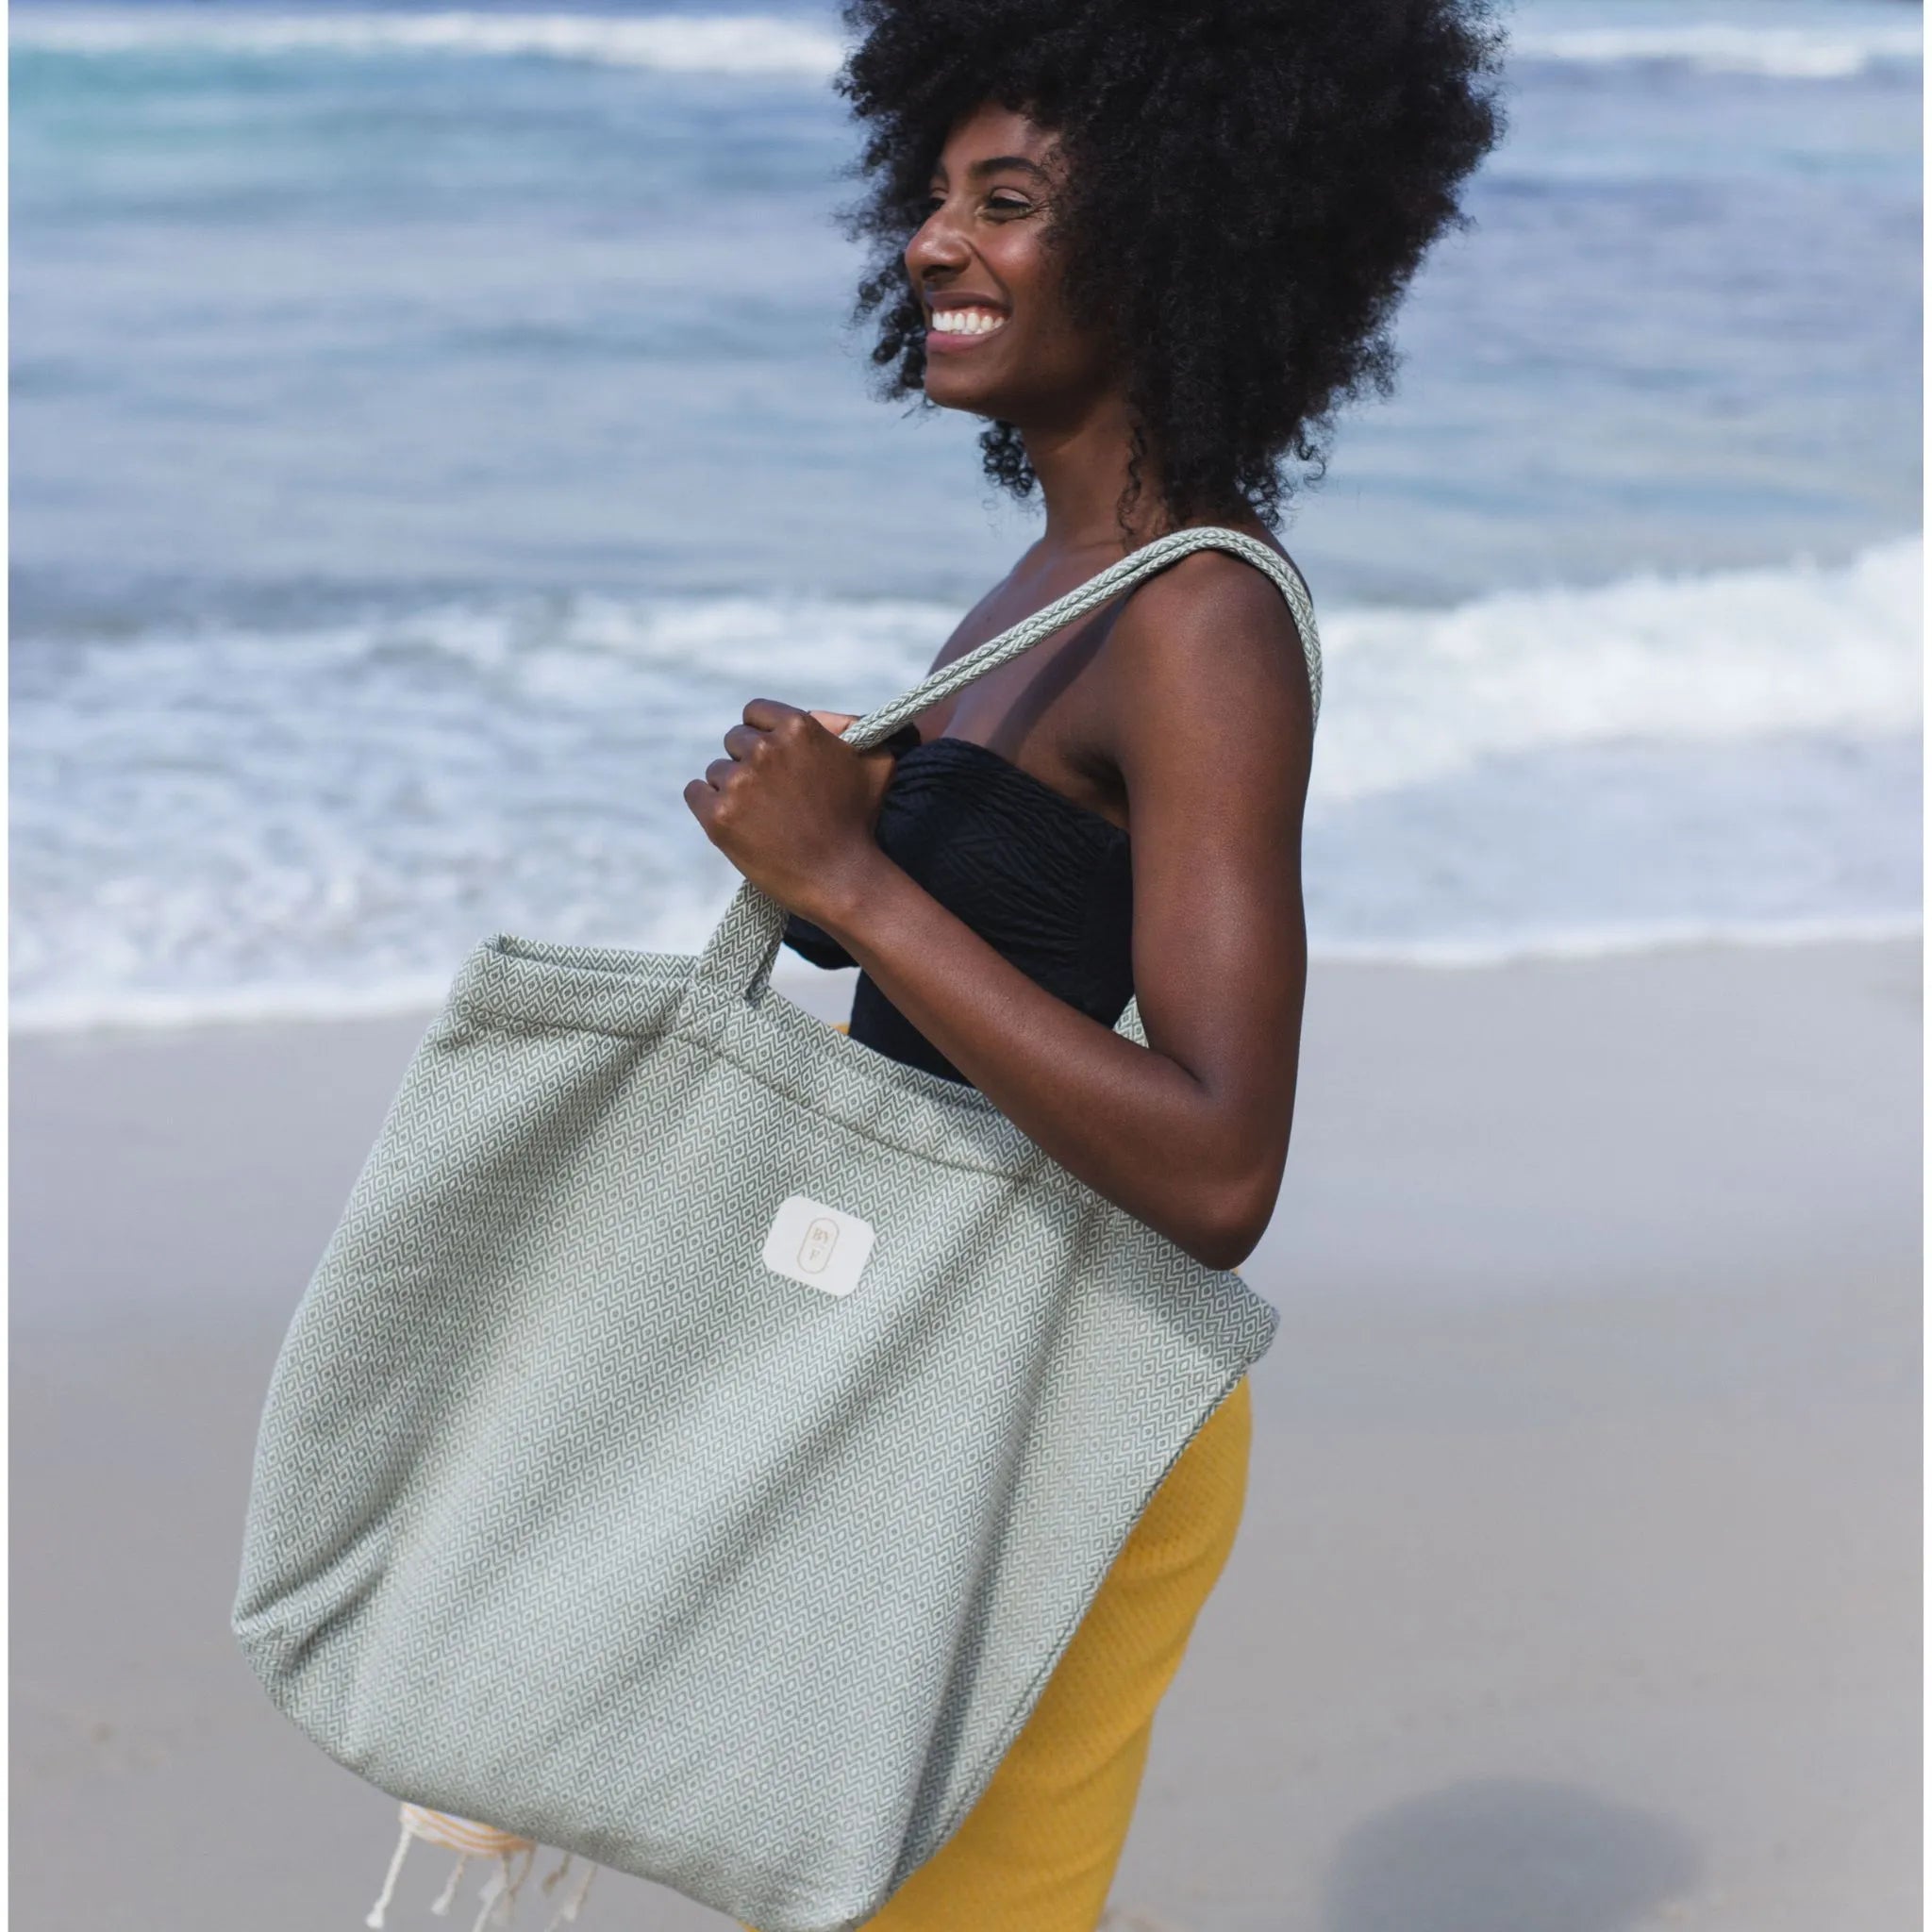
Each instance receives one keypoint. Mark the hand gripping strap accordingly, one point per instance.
(744, 943)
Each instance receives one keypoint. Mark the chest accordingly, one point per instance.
(1046, 714)
(1042, 878)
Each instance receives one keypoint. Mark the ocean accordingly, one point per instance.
(428, 429)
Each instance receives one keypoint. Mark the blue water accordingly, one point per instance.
(428, 430)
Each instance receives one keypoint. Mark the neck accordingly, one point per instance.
(1082, 469)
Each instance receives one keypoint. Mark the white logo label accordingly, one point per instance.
(818, 1245)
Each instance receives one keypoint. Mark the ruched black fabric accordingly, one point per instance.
(1044, 881)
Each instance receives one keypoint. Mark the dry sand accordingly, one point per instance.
(1578, 1589)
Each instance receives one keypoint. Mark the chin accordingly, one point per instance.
(948, 392)
(975, 398)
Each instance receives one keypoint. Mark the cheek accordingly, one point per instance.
(1060, 354)
(1029, 272)
(1032, 283)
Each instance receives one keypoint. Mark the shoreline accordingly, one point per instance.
(185, 1013)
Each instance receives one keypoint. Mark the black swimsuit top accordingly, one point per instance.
(1043, 880)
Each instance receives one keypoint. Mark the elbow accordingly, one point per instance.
(1231, 1221)
(1222, 1252)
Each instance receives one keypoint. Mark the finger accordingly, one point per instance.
(720, 772)
(699, 795)
(742, 739)
(768, 713)
(836, 722)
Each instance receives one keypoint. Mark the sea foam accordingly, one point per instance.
(671, 44)
(1798, 647)
(752, 45)
(240, 823)
(1812, 51)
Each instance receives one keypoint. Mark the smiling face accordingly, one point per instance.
(999, 338)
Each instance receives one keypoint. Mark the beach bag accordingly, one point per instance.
(701, 1433)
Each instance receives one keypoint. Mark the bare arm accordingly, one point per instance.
(1210, 720)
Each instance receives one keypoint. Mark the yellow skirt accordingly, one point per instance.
(1039, 1848)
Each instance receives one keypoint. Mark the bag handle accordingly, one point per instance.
(745, 944)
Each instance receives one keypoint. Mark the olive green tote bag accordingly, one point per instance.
(701, 1433)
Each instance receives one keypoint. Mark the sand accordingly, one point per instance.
(1578, 1589)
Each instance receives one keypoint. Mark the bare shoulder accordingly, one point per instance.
(1220, 586)
(1214, 624)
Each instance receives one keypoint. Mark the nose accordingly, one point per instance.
(937, 247)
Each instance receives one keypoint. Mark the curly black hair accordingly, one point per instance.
(1251, 185)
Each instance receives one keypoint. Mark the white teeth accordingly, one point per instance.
(966, 321)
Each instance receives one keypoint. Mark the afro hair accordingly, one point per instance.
(1250, 186)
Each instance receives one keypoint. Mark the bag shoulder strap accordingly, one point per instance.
(744, 943)
(1123, 575)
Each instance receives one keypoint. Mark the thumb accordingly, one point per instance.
(835, 722)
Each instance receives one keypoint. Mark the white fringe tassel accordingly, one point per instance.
(568, 1908)
(441, 1902)
(389, 1884)
(498, 1896)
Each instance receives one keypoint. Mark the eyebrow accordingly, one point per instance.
(994, 163)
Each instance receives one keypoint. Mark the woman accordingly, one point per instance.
(1153, 246)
